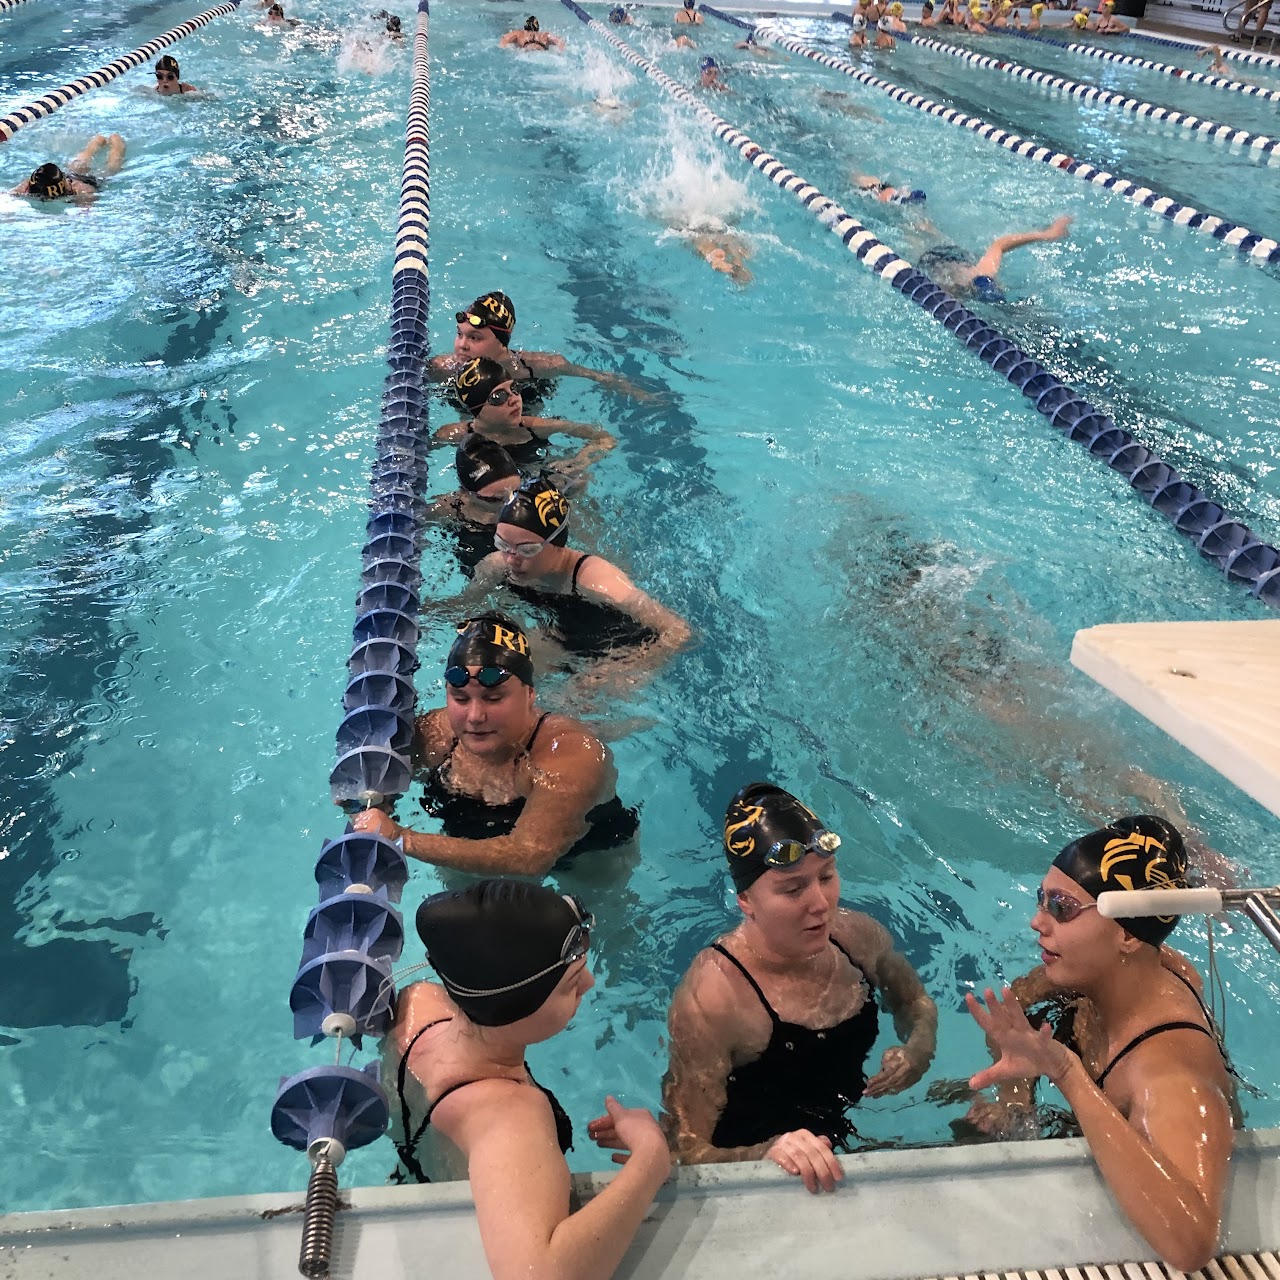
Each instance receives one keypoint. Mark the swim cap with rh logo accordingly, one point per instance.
(492, 640)
(1143, 852)
(492, 310)
(48, 182)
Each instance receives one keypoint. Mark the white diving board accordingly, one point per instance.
(1212, 686)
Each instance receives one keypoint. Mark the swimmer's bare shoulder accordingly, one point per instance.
(432, 738)
(566, 746)
(709, 1007)
(862, 937)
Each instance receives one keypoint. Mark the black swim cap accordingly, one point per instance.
(168, 63)
(48, 182)
(491, 311)
(531, 23)
(476, 380)
(501, 946)
(492, 640)
(393, 23)
(480, 461)
(1143, 852)
(537, 506)
(760, 817)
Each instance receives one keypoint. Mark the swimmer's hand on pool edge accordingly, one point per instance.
(807, 1156)
(631, 1132)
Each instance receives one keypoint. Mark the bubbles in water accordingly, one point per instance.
(685, 185)
(362, 52)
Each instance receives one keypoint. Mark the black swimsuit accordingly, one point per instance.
(584, 628)
(532, 389)
(528, 452)
(89, 179)
(468, 817)
(1210, 1030)
(407, 1148)
(472, 540)
(804, 1079)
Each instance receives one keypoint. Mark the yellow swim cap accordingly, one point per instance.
(1037, 10)
(896, 9)
(1081, 19)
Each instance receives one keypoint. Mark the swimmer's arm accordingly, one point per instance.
(552, 822)
(449, 433)
(555, 42)
(1166, 1164)
(570, 472)
(605, 582)
(915, 1016)
(520, 1184)
(441, 368)
(511, 38)
(488, 574)
(563, 427)
(547, 364)
(702, 1032)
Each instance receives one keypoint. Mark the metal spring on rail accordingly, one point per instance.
(317, 1219)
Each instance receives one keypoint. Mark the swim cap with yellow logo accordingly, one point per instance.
(48, 182)
(768, 829)
(1142, 852)
(491, 311)
(475, 381)
(493, 640)
(537, 506)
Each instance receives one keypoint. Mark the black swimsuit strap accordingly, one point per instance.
(866, 977)
(1145, 1036)
(755, 986)
(528, 746)
(577, 569)
(406, 1151)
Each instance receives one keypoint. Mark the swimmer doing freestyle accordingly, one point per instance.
(771, 1027)
(78, 183)
(515, 788)
(485, 328)
(956, 270)
(1149, 1083)
(512, 960)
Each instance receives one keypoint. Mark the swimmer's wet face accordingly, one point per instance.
(503, 407)
(1074, 951)
(489, 722)
(793, 910)
(519, 550)
(471, 341)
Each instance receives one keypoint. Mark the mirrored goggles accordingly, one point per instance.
(786, 853)
(486, 677)
(1060, 907)
(525, 550)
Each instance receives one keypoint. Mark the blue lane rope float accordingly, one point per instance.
(1232, 55)
(1228, 543)
(56, 98)
(1092, 93)
(344, 987)
(1229, 233)
(1146, 64)
(10, 4)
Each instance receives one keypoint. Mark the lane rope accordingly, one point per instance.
(1228, 543)
(51, 101)
(1092, 93)
(1238, 237)
(1231, 55)
(1146, 64)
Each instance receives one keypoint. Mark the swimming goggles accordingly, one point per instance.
(478, 322)
(1060, 907)
(499, 397)
(525, 550)
(576, 945)
(786, 853)
(486, 677)
(166, 75)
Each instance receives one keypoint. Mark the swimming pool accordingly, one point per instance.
(884, 551)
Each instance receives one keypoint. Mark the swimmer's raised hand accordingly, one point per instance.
(898, 1070)
(632, 1132)
(1024, 1052)
(805, 1155)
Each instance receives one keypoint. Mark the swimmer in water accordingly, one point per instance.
(169, 77)
(956, 271)
(620, 17)
(532, 39)
(1153, 1095)
(1037, 11)
(1108, 23)
(709, 75)
(511, 959)
(758, 50)
(485, 328)
(78, 183)
(394, 30)
(841, 102)
(896, 24)
(772, 1025)
(877, 189)
(276, 18)
(497, 412)
(951, 15)
(516, 789)
(858, 36)
(884, 37)
(688, 14)
(487, 477)
(592, 610)
(1081, 21)
(725, 253)
(926, 14)
(973, 21)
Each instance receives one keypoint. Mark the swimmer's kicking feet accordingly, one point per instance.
(726, 254)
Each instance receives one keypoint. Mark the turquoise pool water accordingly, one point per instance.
(884, 551)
